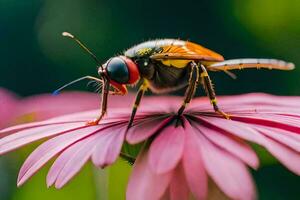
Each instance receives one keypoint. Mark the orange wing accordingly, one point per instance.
(180, 50)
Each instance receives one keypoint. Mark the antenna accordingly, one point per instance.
(56, 92)
(66, 34)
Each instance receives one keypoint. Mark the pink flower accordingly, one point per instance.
(45, 106)
(179, 155)
(15, 110)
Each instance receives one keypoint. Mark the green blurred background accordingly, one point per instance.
(36, 59)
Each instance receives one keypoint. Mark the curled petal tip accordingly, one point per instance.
(19, 184)
(58, 187)
(49, 184)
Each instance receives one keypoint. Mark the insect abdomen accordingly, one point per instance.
(251, 63)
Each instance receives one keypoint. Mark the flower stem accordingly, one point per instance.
(101, 182)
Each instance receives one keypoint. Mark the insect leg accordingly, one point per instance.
(207, 84)
(190, 91)
(103, 103)
(143, 88)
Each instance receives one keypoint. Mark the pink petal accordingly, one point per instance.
(285, 155)
(193, 164)
(292, 120)
(166, 150)
(178, 186)
(145, 129)
(45, 106)
(229, 173)
(166, 195)
(281, 136)
(288, 157)
(238, 148)
(65, 119)
(27, 136)
(259, 98)
(275, 122)
(17, 128)
(61, 161)
(253, 101)
(144, 184)
(238, 129)
(288, 134)
(109, 145)
(49, 149)
(69, 163)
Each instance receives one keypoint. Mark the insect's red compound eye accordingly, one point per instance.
(134, 74)
(122, 70)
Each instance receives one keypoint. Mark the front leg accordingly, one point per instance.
(207, 84)
(105, 92)
(143, 88)
(191, 89)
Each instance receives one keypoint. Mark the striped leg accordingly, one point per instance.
(207, 84)
(143, 88)
(190, 91)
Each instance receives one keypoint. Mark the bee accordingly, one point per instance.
(163, 66)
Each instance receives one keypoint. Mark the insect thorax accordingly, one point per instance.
(162, 77)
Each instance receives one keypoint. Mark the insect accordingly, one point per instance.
(166, 65)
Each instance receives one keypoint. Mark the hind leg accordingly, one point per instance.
(207, 84)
